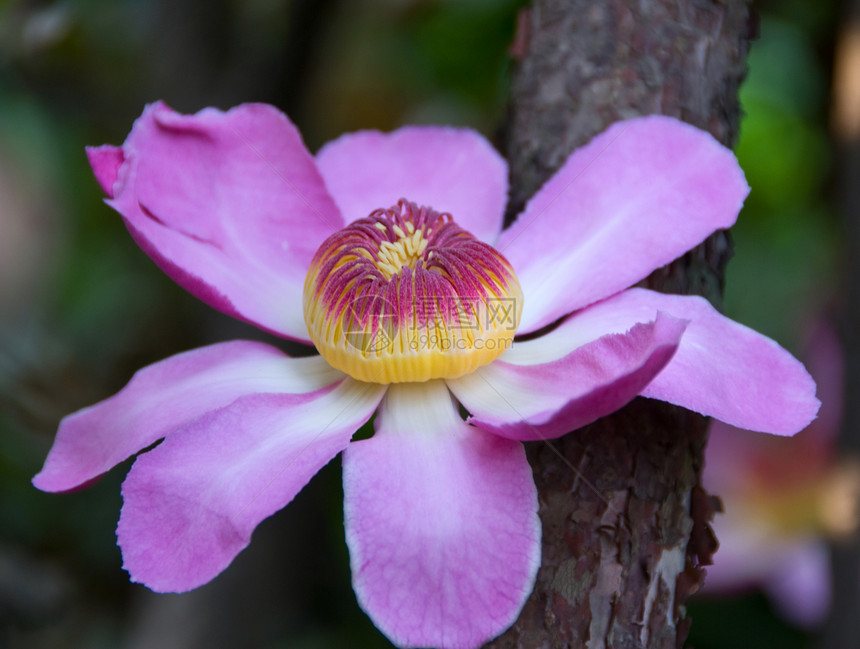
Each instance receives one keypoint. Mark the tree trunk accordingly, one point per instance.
(625, 520)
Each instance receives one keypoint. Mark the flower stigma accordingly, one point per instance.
(407, 295)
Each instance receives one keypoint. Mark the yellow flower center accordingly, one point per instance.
(406, 295)
(405, 251)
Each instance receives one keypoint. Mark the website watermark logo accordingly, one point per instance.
(374, 325)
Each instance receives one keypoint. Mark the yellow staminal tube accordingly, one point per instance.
(407, 295)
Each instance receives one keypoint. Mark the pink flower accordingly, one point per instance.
(783, 499)
(440, 514)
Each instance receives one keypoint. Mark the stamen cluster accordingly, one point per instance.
(405, 294)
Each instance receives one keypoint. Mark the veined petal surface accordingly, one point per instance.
(452, 170)
(441, 523)
(230, 205)
(721, 369)
(546, 400)
(166, 395)
(636, 197)
(191, 504)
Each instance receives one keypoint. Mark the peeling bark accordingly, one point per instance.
(625, 518)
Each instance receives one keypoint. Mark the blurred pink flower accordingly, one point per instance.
(440, 514)
(782, 499)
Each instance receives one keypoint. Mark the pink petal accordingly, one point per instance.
(721, 369)
(801, 588)
(450, 169)
(230, 205)
(748, 554)
(163, 397)
(636, 197)
(105, 161)
(546, 400)
(793, 568)
(728, 371)
(191, 504)
(441, 523)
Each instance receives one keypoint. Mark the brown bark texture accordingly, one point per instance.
(625, 520)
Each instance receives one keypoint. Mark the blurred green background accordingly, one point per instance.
(81, 308)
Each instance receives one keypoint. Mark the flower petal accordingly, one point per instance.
(191, 504)
(163, 397)
(441, 523)
(801, 587)
(546, 400)
(792, 567)
(636, 197)
(721, 369)
(450, 169)
(728, 371)
(105, 161)
(230, 205)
